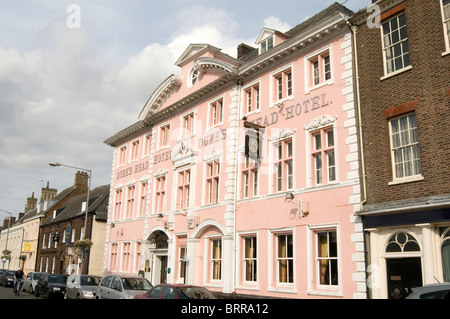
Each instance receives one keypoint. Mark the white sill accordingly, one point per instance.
(409, 67)
(410, 179)
(446, 53)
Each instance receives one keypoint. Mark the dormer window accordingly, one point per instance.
(266, 45)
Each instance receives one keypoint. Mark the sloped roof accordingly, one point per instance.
(98, 202)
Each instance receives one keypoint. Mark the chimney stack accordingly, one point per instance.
(48, 193)
(31, 203)
(81, 182)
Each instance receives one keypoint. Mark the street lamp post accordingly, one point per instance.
(83, 235)
(54, 164)
(7, 234)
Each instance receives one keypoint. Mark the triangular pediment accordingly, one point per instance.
(193, 51)
(264, 34)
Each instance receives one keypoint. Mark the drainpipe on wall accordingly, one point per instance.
(354, 30)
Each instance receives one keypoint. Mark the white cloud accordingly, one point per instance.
(276, 24)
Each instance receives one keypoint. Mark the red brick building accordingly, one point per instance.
(403, 84)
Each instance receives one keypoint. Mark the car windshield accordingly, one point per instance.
(10, 273)
(195, 293)
(136, 284)
(36, 275)
(57, 279)
(89, 281)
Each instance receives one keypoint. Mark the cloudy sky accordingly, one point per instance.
(73, 73)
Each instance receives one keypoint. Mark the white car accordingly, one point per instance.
(82, 286)
(122, 287)
(29, 283)
(431, 291)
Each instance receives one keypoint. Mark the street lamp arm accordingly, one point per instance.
(56, 164)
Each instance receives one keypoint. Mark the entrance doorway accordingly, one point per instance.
(163, 274)
(403, 274)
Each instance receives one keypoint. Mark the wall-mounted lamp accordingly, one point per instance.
(160, 216)
(289, 196)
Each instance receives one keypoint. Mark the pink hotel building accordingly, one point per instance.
(241, 174)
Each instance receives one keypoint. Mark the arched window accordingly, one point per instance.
(402, 242)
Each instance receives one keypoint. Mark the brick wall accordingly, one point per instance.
(425, 85)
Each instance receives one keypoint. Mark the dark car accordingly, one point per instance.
(7, 278)
(51, 285)
(174, 291)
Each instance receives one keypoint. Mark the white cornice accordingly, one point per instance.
(160, 95)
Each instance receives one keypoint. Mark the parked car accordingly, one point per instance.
(122, 287)
(431, 291)
(51, 285)
(7, 278)
(174, 291)
(2, 271)
(29, 283)
(82, 286)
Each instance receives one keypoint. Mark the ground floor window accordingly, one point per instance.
(216, 259)
(250, 259)
(285, 258)
(327, 258)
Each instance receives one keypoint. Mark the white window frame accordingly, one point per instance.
(161, 142)
(309, 76)
(274, 76)
(257, 101)
(388, 73)
(267, 44)
(314, 286)
(211, 116)
(409, 178)
(446, 26)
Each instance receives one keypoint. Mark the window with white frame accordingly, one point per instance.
(285, 258)
(282, 85)
(143, 198)
(147, 144)
(160, 194)
(445, 6)
(323, 156)
(113, 256)
(266, 45)
(395, 44)
(122, 156)
(251, 98)
(164, 135)
(118, 204)
(212, 182)
(183, 192)
(327, 258)
(250, 258)
(216, 259)
(249, 175)
(182, 262)
(126, 256)
(284, 167)
(130, 201)
(134, 150)
(216, 112)
(320, 69)
(187, 123)
(405, 146)
(137, 254)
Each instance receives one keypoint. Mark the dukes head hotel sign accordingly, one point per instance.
(241, 174)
